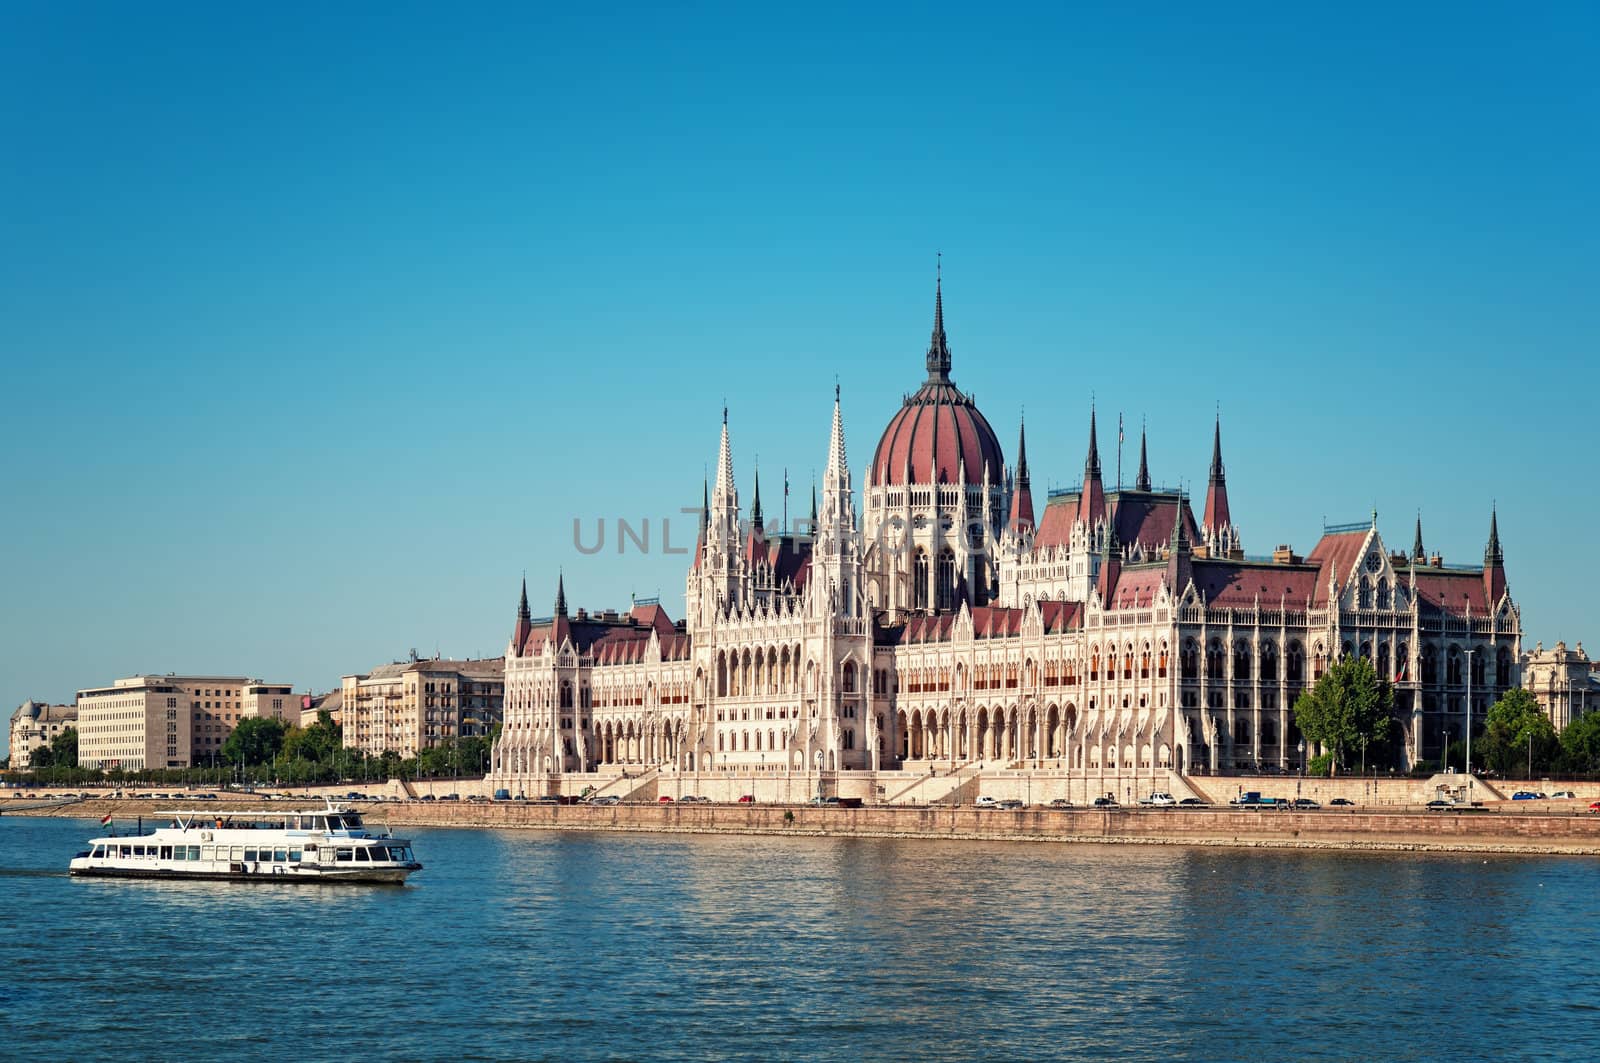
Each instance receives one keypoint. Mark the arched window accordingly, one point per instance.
(1269, 661)
(947, 579)
(1214, 659)
(1452, 676)
(1297, 663)
(919, 579)
(1478, 665)
(847, 680)
(1430, 665)
(1364, 597)
(1241, 661)
(1383, 593)
(566, 694)
(1190, 659)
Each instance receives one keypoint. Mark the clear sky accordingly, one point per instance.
(318, 329)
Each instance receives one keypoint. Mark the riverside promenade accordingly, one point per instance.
(1504, 829)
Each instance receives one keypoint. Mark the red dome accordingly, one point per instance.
(938, 429)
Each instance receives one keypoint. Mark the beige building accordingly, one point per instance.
(35, 724)
(172, 721)
(1563, 681)
(414, 705)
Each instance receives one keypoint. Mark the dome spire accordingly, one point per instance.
(938, 345)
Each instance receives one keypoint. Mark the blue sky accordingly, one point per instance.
(320, 328)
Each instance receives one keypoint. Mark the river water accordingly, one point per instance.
(521, 945)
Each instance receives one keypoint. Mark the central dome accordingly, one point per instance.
(938, 431)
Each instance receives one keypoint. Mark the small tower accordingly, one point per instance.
(1494, 563)
(1221, 536)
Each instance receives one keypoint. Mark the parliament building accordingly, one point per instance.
(949, 627)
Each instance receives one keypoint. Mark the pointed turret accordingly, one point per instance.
(1217, 518)
(938, 345)
(561, 595)
(1418, 554)
(1143, 482)
(1110, 564)
(1179, 552)
(755, 505)
(1494, 562)
(1021, 491)
(705, 523)
(838, 464)
(519, 634)
(1092, 500)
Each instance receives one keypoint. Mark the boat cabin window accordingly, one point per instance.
(343, 855)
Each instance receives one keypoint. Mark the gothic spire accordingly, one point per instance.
(1417, 553)
(705, 506)
(1216, 451)
(1091, 465)
(1022, 453)
(522, 606)
(561, 595)
(1217, 515)
(755, 508)
(1143, 482)
(1491, 553)
(1092, 499)
(938, 345)
(838, 464)
(1021, 492)
(725, 489)
(813, 528)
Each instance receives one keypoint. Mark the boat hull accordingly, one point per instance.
(382, 876)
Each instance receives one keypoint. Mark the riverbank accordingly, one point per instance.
(1504, 830)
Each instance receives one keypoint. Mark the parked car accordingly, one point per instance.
(426, 797)
(747, 799)
(1560, 794)
(1594, 806)
(1440, 804)
(1193, 802)
(1159, 800)
(664, 800)
(693, 799)
(1248, 799)
(606, 799)
(1010, 802)
(1105, 802)
(503, 795)
(451, 797)
(1341, 802)
(985, 801)
(1060, 802)
(830, 802)
(1305, 802)
(1526, 795)
(477, 799)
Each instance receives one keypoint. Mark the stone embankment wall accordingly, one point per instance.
(1507, 829)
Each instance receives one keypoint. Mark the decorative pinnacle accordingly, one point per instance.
(939, 344)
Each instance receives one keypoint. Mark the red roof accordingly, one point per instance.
(1141, 517)
(1241, 584)
(936, 431)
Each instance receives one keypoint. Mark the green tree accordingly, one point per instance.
(60, 753)
(1348, 709)
(1580, 744)
(1516, 732)
(255, 741)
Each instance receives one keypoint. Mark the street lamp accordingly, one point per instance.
(1469, 710)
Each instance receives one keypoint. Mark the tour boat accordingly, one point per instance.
(311, 845)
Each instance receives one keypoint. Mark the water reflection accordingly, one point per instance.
(527, 945)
